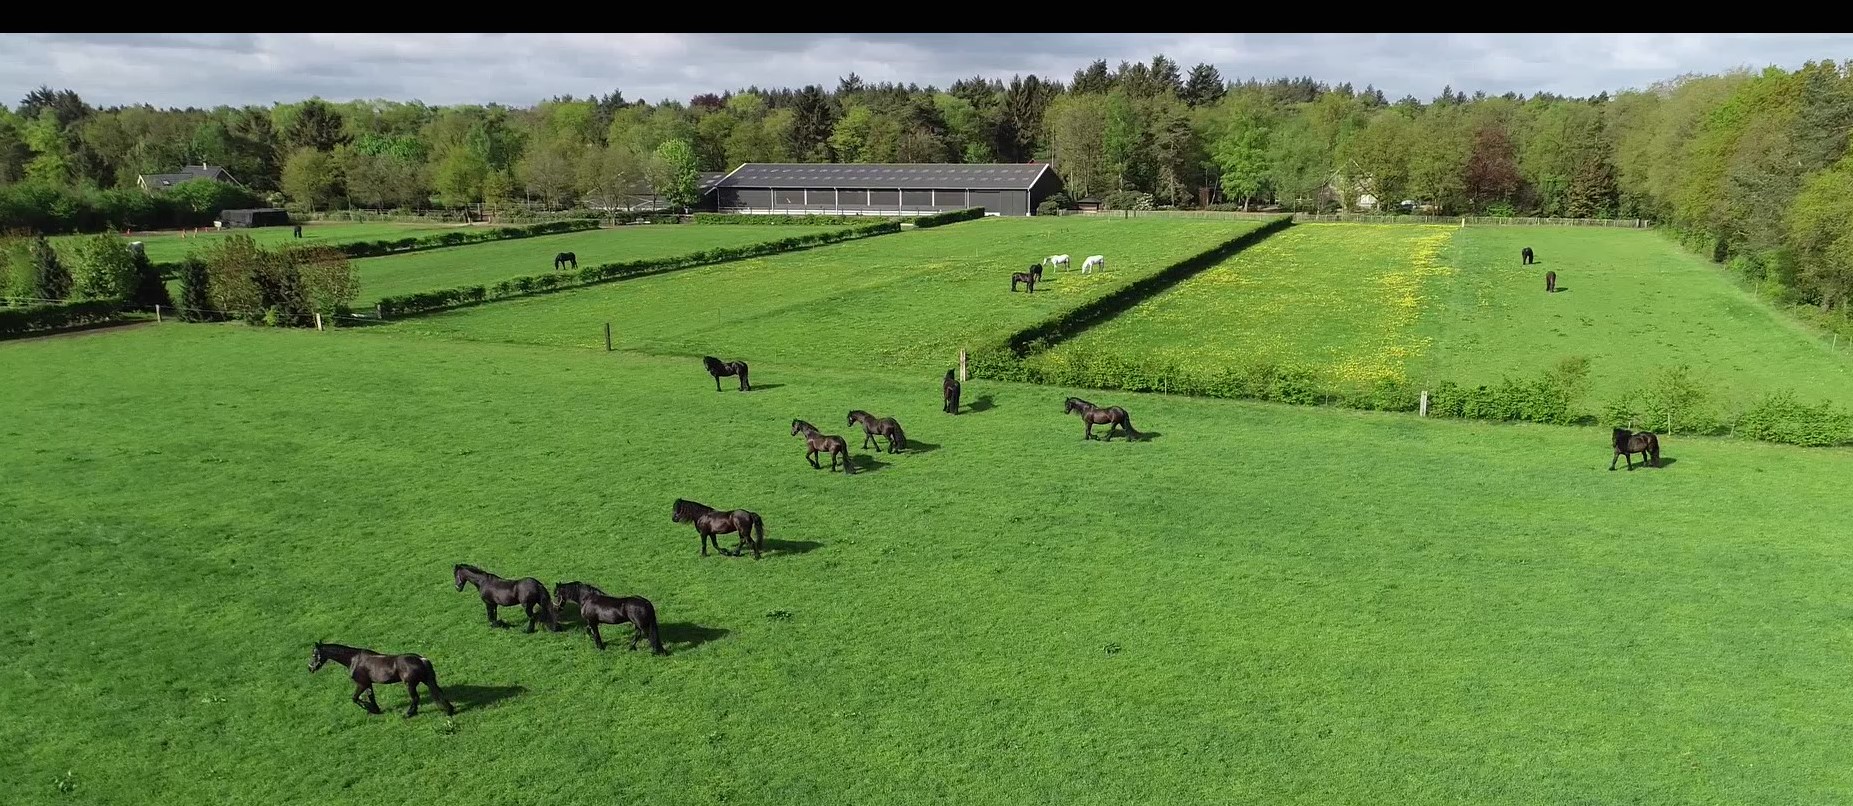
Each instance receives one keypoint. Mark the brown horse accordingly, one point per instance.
(721, 369)
(709, 522)
(816, 442)
(1112, 416)
(1550, 282)
(368, 667)
(598, 607)
(1025, 278)
(949, 393)
(1628, 443)
(873, 427)
(498, 592)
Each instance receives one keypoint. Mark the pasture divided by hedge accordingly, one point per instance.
(416, 243)
(441, 299)
(34, 318)
(800, 220)
(950, 217)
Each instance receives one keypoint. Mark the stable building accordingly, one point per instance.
(885, 189)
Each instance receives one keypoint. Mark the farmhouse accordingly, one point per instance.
(885, 189)
(154, 182)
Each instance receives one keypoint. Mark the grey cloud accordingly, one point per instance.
(212, 69)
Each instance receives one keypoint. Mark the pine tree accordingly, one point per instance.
(195, 291)
(149, 289)
(47, 277)
(1205, 86)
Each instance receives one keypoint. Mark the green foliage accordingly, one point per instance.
(196, 291)
(359, 249)
(52, 210)
(1126, 200)
(949, 217)
(678, 176)
(425, 302)
(281, 287)
(147, 287)
(1780, 417)
(311, 178)
(1049, 207)
(42, 276)
(1671, 401)
(32, 318)
(801, 220)
(105, 268)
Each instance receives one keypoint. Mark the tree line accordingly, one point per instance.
(1747, 166)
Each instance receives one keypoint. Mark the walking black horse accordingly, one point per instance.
(296, 233)
(1025, 278)
(498, 592)
(949, 393)
(872, 427)
(368, 667)
(709, 522)
(598, 607)
(564, 258)
(721, 369)
(1526, 256)
(1112, 416)
(817, 442)
(1628, 443)
(1550, 282)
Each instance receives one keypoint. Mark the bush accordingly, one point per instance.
(806, 220)
(105, 268)
(951, 217)
(1779, 417)
(195, 291)
(30, 318)
(1049, 207)
(460, 237)
(426, 301)
(1671, 402)
(284, 286)
(52, 210)
(1126, 200)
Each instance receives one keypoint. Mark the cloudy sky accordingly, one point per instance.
(212, 69)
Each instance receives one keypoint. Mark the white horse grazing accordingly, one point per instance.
(1056, 261)
(1092, 261)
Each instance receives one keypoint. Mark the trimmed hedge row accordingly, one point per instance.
(951, 217)
(805, 220)
(428, 301)
(28, 319)
(441, 240)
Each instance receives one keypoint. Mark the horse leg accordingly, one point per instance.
(493, 621)
(1089, 433)
(431, 682)
(636, 633)
(867, 436)
(717, 383)
(411, 688)
(528, 608)
(1613, 458)
(368, 705)
(1111, 425)
(812, 456)
(598, 639)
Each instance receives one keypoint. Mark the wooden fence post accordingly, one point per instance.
(1424, 402)
(962, 374)
(607, 337)
(157, 313)
(318, 320)
(379, 310)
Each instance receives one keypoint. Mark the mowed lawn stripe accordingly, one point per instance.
(489, 263)
(912, 299)
(1291, 604)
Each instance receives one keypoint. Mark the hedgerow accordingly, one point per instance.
(394, 246)
(31, 318)
(951, 217)
(427, 301)
(804, 220)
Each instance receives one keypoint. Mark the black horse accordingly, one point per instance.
(498, 592)
(709, 522)
(873, 427)
(1025, 278)
(369, 667)
(564, 258)
(598, 607)
(1628, 443)
(949, 393)
(817, 442)
(1526, 256)
(296, 233)
(1112, 416)
(1550, 282)
(721, 369)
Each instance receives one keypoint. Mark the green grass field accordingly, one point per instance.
(168, 246)
(1362, 303)
(1262, 604)
(493, 262)
(911, 299)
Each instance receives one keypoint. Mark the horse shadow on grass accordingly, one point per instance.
(683, 635)
(470, 698)
(776, 547)
(766, 387)
(981, 403)
(916, 446)
(867, 463)
(1561, 289)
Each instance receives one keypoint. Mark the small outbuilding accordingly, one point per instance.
(889, 189)
(255, 217)
(1090, 204)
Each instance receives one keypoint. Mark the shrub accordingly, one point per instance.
(1779, 417)
(30, 318)
(950, 217)
(105, 268)
(286, 285)
(806, 220)
(195, 291)
(149, 288)
(1049, 207)
(1671, 402)
(1126, 200)
(42, 275)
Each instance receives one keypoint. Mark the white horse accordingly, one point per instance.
(1092, 261)
(1056, 261)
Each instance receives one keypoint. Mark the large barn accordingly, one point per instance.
(884, 189)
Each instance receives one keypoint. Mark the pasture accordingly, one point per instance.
(910, 299)
(488, 263)
(169, 246)
(1361, 303)
(1262, 603)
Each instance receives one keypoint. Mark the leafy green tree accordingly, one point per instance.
(1820, 230)
(1205, 86)
(45, 277)
(105, 268)
(551, 171)
(679, 179)
(1242, 154)
(317, 125)
(311, 178)
(460, 177)
(51, 163)
(196, 303)
(1078, 142)
(149, 288)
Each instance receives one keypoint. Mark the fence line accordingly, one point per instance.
(1369, 218)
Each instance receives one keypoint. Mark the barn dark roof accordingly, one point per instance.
(905, 176)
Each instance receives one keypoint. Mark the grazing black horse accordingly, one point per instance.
(368, 667)
(598, 607)
(297, 233)
(1036, 269)
(1111, 416)
(873, 427)
(949, 393)
(564, 258)
(815, 442)
(721, 369)
(1025, 278)
(1526, 256)
(1628, 443)
(709, 522)
(498, 592)
(1550, 282)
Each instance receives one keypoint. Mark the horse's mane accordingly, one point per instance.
(683, 505)
(470, 568)
(1621, 436)
(711, 361)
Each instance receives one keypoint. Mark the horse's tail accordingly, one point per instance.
(847, 470)
(1653, 448)
(656, 639)
(759, 531)
(1128, 419)
(898, 436)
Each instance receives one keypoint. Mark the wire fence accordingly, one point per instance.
(1370, 218)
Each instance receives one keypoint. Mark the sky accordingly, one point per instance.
(520, 69)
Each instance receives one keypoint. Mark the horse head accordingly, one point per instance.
(462, 571)
(798, 426)
(566, 592)
(316, 658)
(1075, 404)
(1621, 437)
(712, 362)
